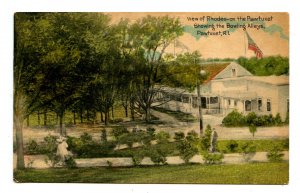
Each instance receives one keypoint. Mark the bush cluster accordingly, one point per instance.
(236, 119)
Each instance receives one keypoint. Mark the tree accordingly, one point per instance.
(26, 74)
(151, 36)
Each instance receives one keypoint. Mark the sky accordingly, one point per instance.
(273, 40)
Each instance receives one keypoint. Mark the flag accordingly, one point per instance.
(252, 46)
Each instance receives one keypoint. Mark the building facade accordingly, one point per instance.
(234, 88)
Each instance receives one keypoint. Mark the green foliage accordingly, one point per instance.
(236, 119)
(212, 158)
(32, 147)
(275, 154)
(261, 145)
(137, 157)
(103, 136)
(179, 136)
(205, 140)
(70, 163)
(84, 148)
(272, 65)
(252, 129)
(162, 137)
(248, 150)
(232, 146)
(187, 150)
(86, 138)
(157, 156)
(117, 132)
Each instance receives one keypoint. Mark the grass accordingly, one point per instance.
(252, 173)
(180, 116)
(261, 145)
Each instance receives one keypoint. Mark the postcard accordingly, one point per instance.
(151, 98)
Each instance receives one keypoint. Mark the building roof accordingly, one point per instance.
(227, 72)
(213, 69)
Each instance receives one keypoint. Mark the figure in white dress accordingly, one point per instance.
(62, 150)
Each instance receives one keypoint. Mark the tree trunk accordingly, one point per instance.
(87, 116)
(112, 113)
(126, 110)
(81, 117)
(200, 110)
(106, 118)
(101, 117)
(62, 128)
(57, 118)
(132, 110)
(27, 120)
(74, 117)
(45, 118)
(18, 125)
(148, 114)
(39, 119)
(94, 117)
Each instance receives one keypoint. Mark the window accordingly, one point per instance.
(233, 72)
(247, 105)
(214, 100)
(259, 104)
(195, 102)
(228, 102)
(235, 103)
(268, 105)
(185, 99)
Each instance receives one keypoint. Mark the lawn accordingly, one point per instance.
(252, 173)
(180, 116)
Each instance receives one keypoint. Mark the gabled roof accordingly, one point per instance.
(213, 70)
(227, 72)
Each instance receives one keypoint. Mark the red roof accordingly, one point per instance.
(213, 70)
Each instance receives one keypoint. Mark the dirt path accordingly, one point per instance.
(38, 161)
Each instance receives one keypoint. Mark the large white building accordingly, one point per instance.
(233, 88)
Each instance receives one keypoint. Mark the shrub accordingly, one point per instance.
(251, 119)
(87, 149)
(205, 140)
(117, 132)
(277, 119)
(192, 136)
(212, 158)
(234, 119)
(103, 136)
(70, 163)
(32, 147)
(179, 136)
(248, 150)
(157, 156)
(252, 129)
(137, 157)
(162, 137)
(86, 138)
(232, 146)
(151, 133)
(275, 154)
(186, 150)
